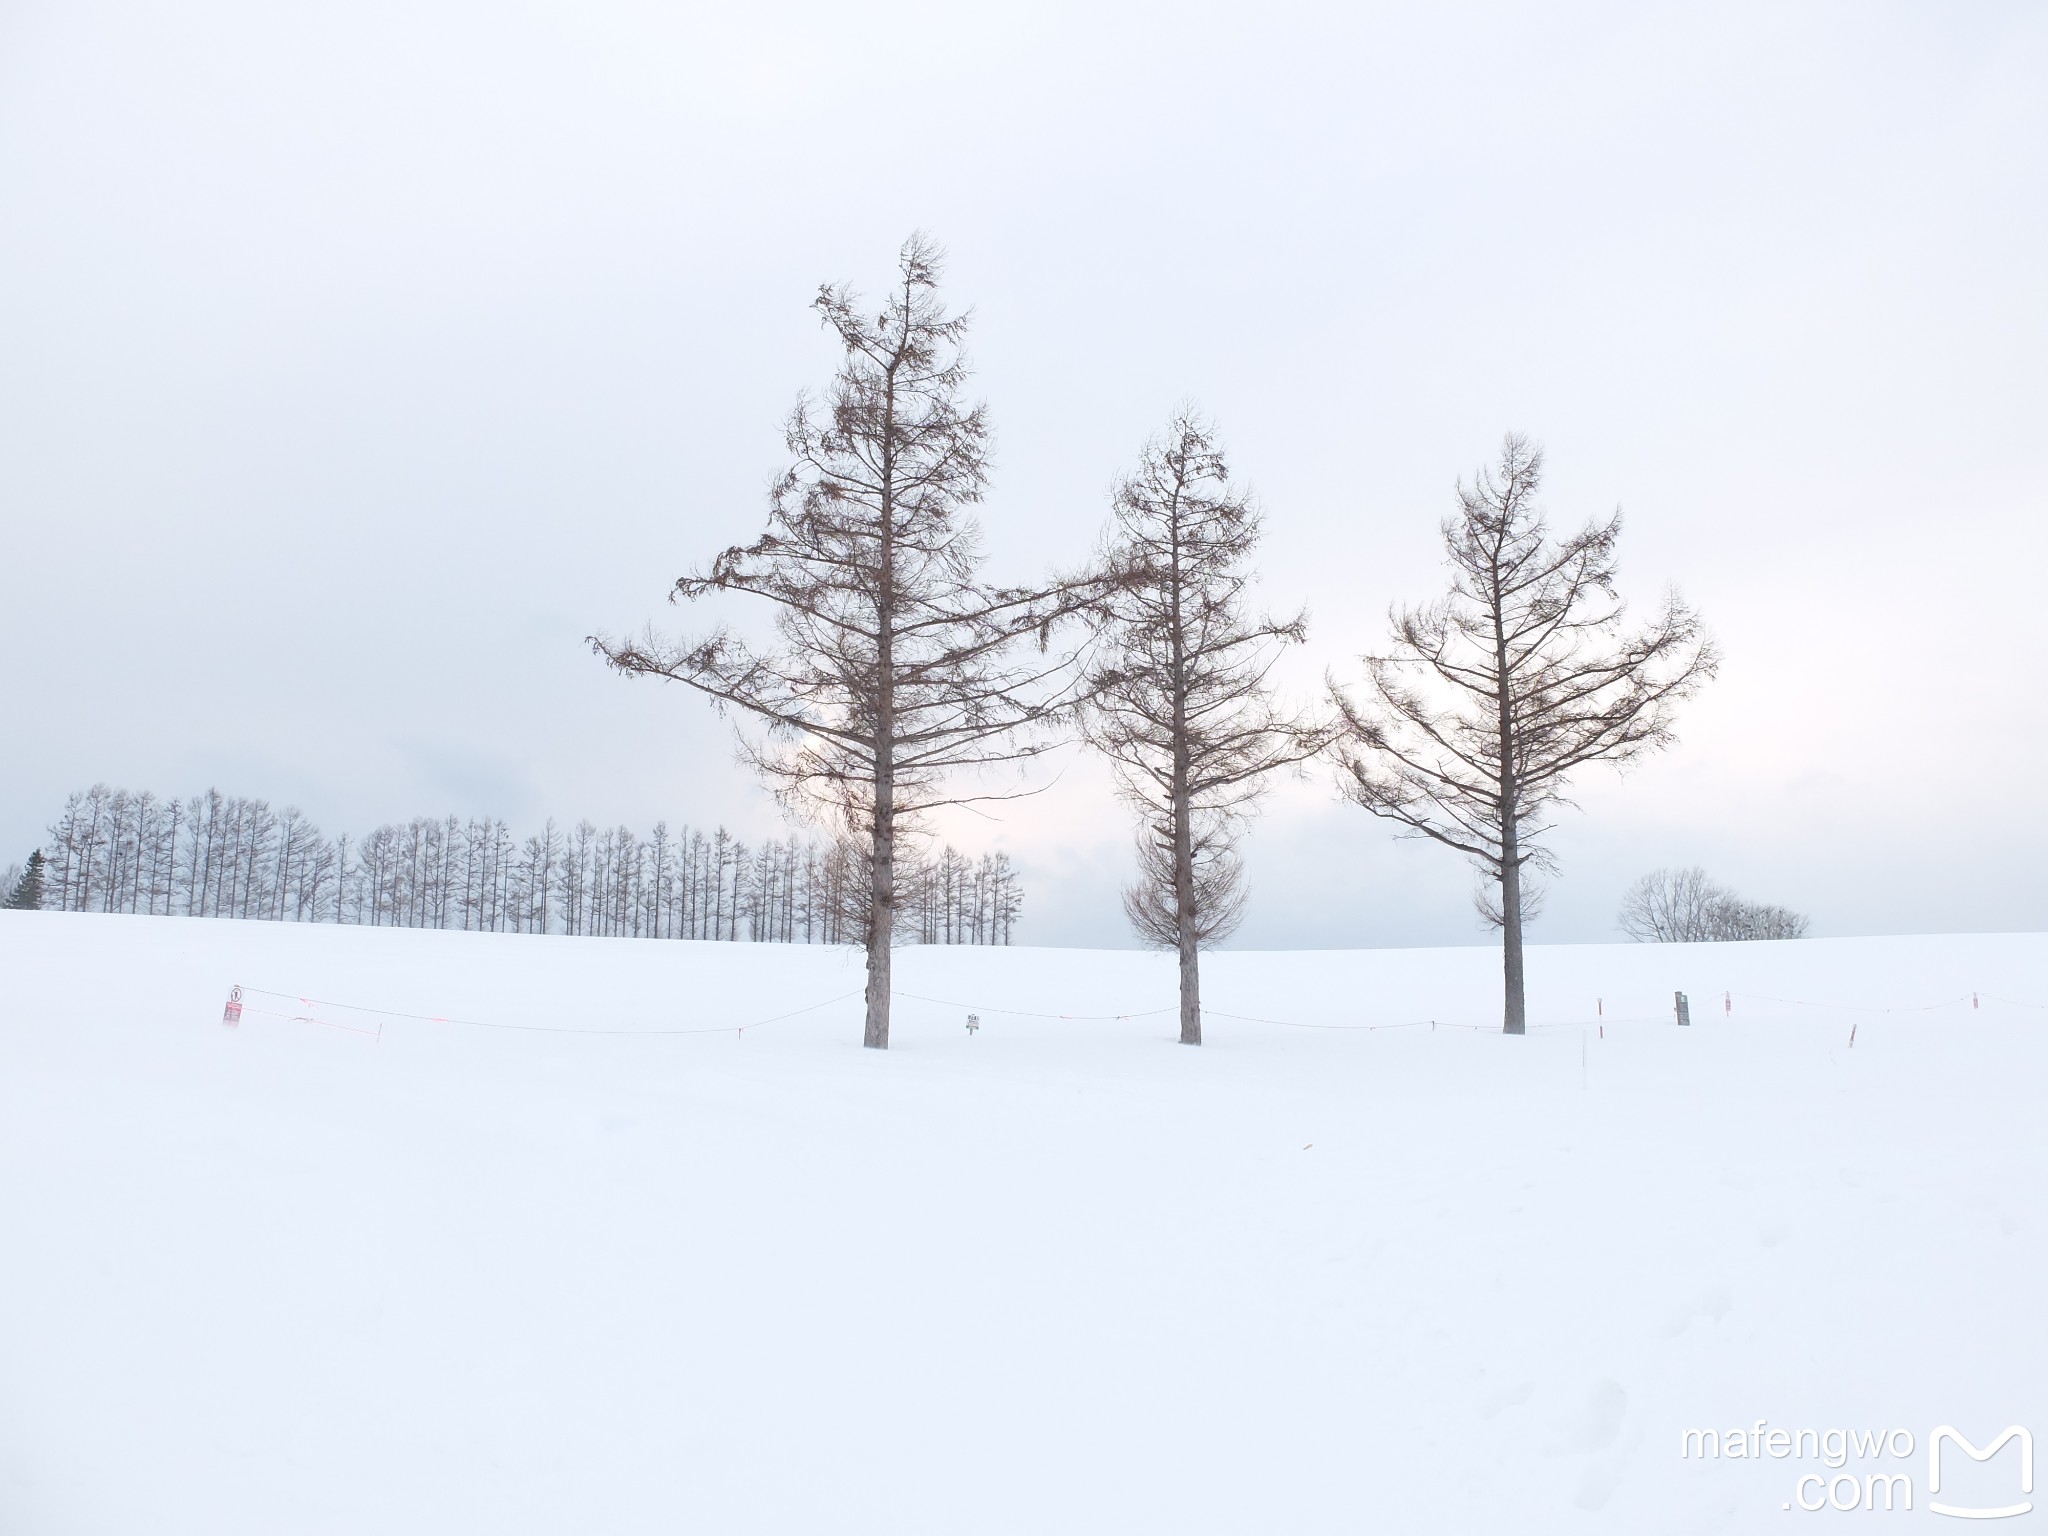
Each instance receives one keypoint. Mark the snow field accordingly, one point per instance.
(1062, 1275)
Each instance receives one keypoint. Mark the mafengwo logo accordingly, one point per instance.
(1946, 1434)
(1955, 1486)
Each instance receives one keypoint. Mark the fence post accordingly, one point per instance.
(1684, 1008)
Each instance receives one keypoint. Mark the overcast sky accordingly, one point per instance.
(358, 360)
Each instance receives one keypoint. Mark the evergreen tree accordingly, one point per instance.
(27, 895)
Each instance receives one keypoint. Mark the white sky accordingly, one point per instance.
(356, 362)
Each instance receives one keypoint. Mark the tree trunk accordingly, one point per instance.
(881, 917)
(1183, 815)
(1516, 1021)
(1184, 907)
(882, 868)
(882, 872)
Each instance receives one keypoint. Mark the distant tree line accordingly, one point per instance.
(1683, 906)
(217, 855)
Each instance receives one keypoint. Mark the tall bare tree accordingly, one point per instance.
(1181, 701)
(899, 669)
(1495, 695)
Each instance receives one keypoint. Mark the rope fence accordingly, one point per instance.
(236, 1007)
(375, 1017)
(1018, 1013)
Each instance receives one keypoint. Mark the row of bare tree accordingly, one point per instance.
(900, 679)
(218, 855)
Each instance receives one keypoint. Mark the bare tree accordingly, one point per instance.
(1495, 695)
(1683, 906)
(898, 669)
(1669, 906)
(1181, 699)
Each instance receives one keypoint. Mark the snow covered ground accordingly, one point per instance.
(1059, 1276)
